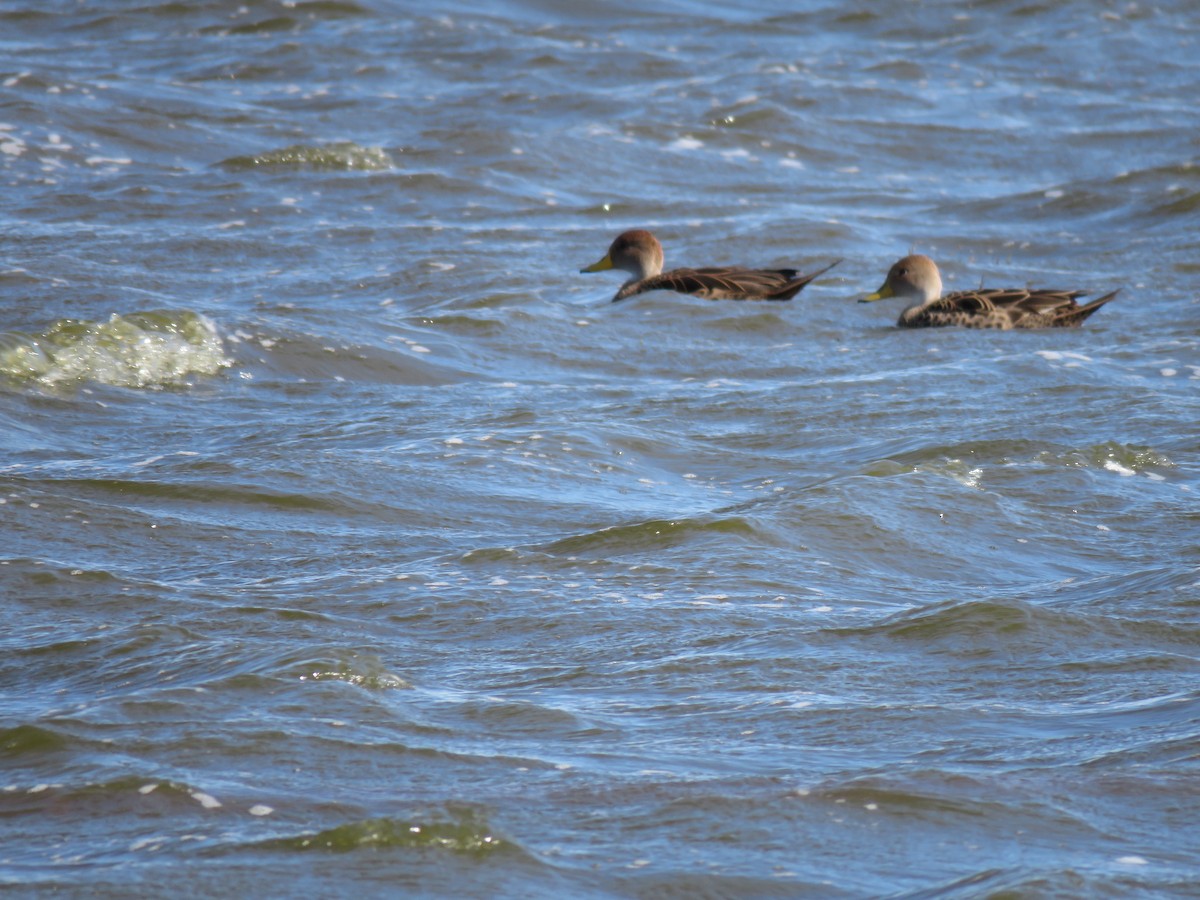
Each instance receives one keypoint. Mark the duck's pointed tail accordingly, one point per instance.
(1076, 316)
(797, 285)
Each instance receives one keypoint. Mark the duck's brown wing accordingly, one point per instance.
(726, 283)
(969, 309)
(1070, 316)
(1008, 308)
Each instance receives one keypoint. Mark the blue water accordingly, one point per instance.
(354, 543)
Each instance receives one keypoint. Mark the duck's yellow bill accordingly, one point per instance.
(882, 294)
(605, 263)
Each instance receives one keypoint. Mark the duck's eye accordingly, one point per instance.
(902, 272)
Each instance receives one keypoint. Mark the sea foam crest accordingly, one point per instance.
(139, 350)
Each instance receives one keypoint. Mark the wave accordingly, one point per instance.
(621, 539)
(30, 740)
(987, 623)
(338, 155)
(469, 834)
(1048, 617)
(319, 357)
(154, 349)
(1154, 195)
(967, 461)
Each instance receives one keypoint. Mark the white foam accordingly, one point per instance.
(1113, 466)
(208, 801)
(259, 809)
(686, 143)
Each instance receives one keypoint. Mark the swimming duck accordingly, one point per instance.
(916, 278)
(639, 253)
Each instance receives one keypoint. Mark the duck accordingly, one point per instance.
(916, 277)
(639, 253)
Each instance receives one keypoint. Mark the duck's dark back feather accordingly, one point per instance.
(1004, 308)
(726, 283)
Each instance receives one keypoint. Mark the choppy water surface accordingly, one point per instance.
(354, 542)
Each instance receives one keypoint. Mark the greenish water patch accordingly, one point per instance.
(466, 836)
(647, 535)
(29, 739)
(360, 669)
(338, 155)
(1114, 456)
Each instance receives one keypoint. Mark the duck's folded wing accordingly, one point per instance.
(1016, 307)
(726, 283)
(971, 303)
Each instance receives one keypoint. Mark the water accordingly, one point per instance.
(353, 542)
